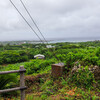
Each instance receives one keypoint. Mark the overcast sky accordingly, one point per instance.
(55, 18)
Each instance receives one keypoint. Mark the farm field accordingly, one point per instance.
(80, 79)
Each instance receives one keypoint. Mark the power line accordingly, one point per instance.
(28, 24)
(25, 20)
(33, 20)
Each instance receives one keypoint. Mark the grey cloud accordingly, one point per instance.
(56, 18)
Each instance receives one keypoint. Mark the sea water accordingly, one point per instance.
(78, 39)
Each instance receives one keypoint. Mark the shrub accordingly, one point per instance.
(98, 52)
(90, 59)
(83, 78)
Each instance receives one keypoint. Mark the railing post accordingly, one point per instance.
(22, 83)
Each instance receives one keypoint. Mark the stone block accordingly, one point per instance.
(57, 70)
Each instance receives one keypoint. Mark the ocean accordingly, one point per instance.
(78, 39)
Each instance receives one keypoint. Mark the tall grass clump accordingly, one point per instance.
(8, 81)
(83, 78)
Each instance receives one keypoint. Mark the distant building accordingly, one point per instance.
(50, 46)
(39, 56)
(37, 46)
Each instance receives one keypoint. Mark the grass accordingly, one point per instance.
(41, 86)
(47, 88)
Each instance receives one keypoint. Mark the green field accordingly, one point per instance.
(83, 84)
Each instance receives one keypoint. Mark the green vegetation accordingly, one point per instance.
(82, 84)
(83, 78)
(7, 79)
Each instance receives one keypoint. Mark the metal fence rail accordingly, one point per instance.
(22, 82)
